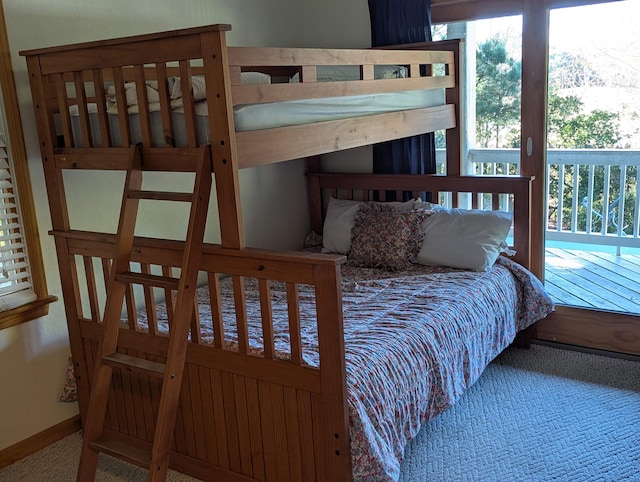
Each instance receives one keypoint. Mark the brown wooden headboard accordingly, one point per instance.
(363, 186)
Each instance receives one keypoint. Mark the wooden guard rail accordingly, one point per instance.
(81, 76)
(245, 394)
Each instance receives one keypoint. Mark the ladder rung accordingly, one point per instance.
(165, 282)
(129, 453)
(162, 195)
(139, 365)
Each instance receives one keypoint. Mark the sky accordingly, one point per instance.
(608, 35)
(610, 27)
(601, 26)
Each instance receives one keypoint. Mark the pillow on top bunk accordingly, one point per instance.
(339, 221)
(199, 89)
(464, 238)
(337, 73)
(255, 78)
(386, 238)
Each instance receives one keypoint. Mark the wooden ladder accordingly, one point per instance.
(95, 440)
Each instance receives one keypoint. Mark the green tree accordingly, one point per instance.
(569, 126)
(567, 71)
(497, 92)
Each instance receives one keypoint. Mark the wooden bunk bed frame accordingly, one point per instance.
(242, 416)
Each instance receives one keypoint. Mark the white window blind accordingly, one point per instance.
(15, 278)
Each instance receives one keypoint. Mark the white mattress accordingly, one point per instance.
(268, 115)
(280, 114)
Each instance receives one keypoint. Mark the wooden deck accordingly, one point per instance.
(593, 279)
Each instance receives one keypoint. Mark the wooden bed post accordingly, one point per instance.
(222, 135)
(331, 412)
(60, 222)
(315, 194)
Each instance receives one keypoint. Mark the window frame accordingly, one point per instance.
(22, 182)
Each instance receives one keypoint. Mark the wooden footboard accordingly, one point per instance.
(245, 414)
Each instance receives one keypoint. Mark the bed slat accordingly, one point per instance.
(101, 105)
(231, 415)
(195, 324)
(294, 323)
(255, 430)
(208, 419)
(219, 414)
(268, 435)
(149, 301)
(143, 105)
(279, 429)
(267, 317)
(123, 116)
(186, 414)
(187, 102)
(63, 107)
(216, 310)
(242, 419)
(293, 433)
(91, 288)
(169, 295)
(241, 314)
(165, 107)
(147, 406)
(81, 99)
(132, 312)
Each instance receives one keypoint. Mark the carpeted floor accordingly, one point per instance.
(542, 414)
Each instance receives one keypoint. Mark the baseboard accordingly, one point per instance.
(39, 441)
(584, 349)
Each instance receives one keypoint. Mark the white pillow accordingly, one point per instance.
(339, 220)
(199, 88)
(333, 73)
(463, 238)
(255, 78)
(421, 205)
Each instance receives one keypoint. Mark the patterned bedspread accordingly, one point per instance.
(414, 342)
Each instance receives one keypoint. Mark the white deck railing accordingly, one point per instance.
(576, 209)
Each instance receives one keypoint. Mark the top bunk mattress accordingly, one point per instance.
(296, 112)
(256, 116)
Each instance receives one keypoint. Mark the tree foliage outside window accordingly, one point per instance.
(497, 94)
(569, 126)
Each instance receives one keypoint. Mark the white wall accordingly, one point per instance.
(33, 355)
(340, 24)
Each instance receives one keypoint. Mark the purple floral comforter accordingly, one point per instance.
(414, 342)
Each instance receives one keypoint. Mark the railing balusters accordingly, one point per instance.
(605, 200)
(585, 210)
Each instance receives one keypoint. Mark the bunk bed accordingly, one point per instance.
(273, 386)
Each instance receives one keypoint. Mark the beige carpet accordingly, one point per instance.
(534, 415)
(59, 463)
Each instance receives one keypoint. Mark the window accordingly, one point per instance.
(15, 276)
(23, 289)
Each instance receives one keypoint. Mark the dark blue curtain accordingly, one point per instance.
(399, 22)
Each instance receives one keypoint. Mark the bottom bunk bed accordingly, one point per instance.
(304, 365)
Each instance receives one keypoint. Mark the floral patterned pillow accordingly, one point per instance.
(383, 237)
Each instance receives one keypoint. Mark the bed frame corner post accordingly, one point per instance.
(331, 412)
(223, 140)
(315, 202)
(58, 209)
(522, 215)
